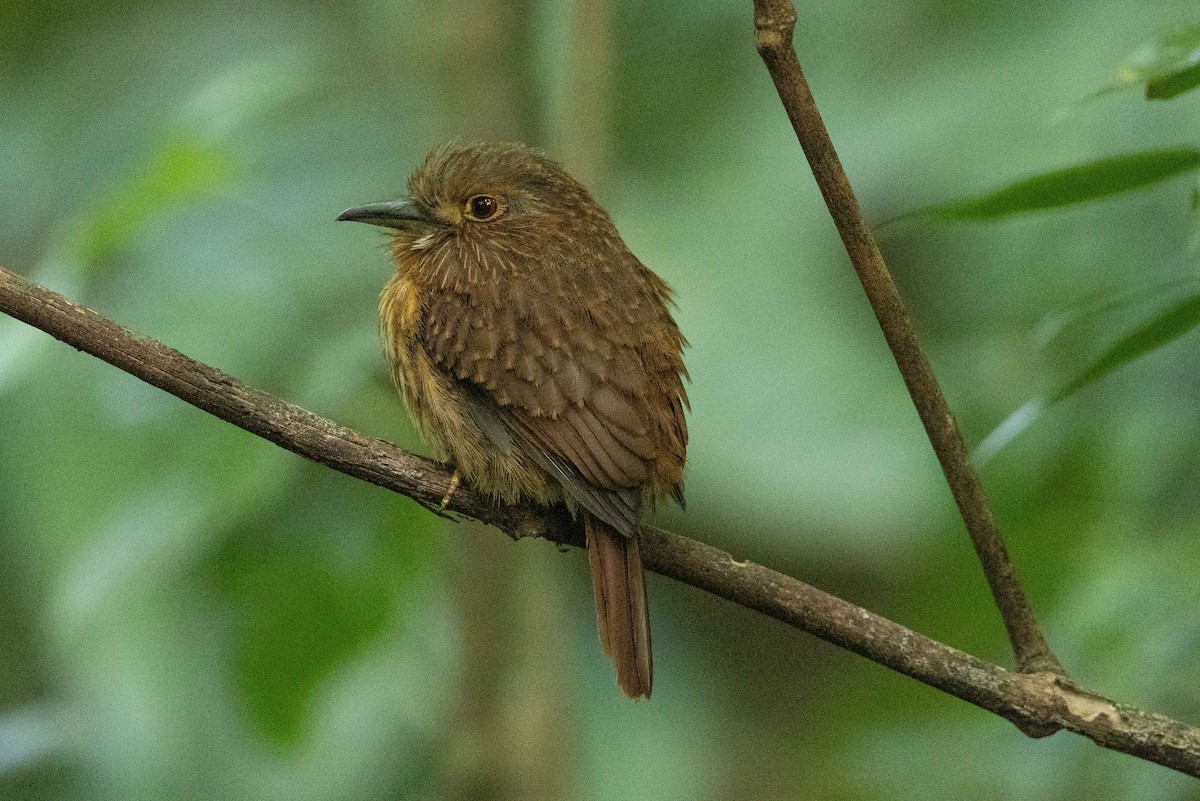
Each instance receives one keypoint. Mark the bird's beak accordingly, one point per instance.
(400, 213)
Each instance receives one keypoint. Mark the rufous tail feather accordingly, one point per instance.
(619, 586)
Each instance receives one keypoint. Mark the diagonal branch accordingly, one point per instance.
(1037, 703)
(774, 23)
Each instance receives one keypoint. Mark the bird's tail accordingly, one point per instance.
(621, 611)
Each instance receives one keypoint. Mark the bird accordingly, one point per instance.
(540, 357)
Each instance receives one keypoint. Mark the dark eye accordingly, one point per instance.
(483, 207)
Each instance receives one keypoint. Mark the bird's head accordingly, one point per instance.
(499, 203)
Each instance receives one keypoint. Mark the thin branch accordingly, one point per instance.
(1037, 703)
(774, 23)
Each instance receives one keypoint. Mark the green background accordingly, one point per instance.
(189, 612)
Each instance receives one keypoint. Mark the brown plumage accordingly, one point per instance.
(534, 349)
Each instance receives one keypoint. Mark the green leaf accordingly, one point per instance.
(1091, 181)
(1173, 49)
(1168, 65)
(1175, 84)
(1164, 328)
(1083, 317)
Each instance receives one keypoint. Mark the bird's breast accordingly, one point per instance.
(399, 321)
(439, 405)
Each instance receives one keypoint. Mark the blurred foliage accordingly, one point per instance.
(1167, 65)
(189, 612)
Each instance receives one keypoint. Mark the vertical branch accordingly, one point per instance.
(774, 23)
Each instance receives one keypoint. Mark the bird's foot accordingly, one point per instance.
(455, 480)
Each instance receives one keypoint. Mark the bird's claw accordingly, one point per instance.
(455, 480)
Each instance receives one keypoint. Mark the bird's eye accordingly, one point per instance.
(482, 207)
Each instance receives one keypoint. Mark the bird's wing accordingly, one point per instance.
(569, 390)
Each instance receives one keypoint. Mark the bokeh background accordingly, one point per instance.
(189, 612)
